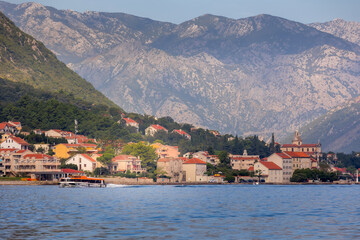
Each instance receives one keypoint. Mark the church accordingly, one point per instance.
(313, 149)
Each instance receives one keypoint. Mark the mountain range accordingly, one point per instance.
(255, 75)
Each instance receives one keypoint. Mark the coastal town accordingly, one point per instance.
(47, 162)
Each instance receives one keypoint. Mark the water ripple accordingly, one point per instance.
(173, 212)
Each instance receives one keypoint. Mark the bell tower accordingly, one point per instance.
(297, 139)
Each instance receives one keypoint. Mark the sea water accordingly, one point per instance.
(181, 212)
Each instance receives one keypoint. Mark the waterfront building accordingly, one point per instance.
(173, 168)
(83, 162)
(124, 163)
(194, 170)
(150, 131)
(26, 162)
(313, 149)
(268, 171)
(301, 160)
(243, 162)
(284, 161)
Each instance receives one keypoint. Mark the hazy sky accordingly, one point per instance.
(177, 11)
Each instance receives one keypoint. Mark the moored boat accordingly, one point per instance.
(82, 181)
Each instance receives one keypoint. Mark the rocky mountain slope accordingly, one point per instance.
(349, 31)
(255, 75)
(337, 130)
(24, 59)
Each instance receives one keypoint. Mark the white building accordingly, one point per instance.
(285, 162)
(131, 123)
(15, 142)
(83, 161)
(150, 131)
(269, 171)
(243, 162)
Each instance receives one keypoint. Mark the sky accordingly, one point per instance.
(178, 11)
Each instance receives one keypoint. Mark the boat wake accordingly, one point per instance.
(111, 185)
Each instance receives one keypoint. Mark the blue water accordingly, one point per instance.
(171, 212)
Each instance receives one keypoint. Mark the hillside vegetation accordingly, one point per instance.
(24, 59)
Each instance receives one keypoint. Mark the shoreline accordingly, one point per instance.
(40, 183)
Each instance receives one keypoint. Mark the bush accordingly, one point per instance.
(230, 178)
(101, 171)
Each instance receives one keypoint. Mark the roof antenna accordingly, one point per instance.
(76, 130)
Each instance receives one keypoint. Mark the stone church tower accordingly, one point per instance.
(297, 139)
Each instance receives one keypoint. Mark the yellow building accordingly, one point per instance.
(66, 150)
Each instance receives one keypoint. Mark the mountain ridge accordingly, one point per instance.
(269, 84)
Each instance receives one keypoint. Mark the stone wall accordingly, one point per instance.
(131, 181)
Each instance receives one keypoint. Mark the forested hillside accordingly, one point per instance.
(37, 109)
(24, 59)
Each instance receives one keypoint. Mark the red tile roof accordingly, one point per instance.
(158, 127)
(88, 157)
(21, 151)
(283, 155)
(68, 170)
(164, 160)
(300, 146)
(181, 132)
(251, 169)
(4, 124)
(194, 161)
(37, 156)
(129, 120)
(297, 154)
(270, 165)
(309, 145)
(343, 170)
(245, 158)
(79, 145)
(88, 145)
(8, 149)
(184, 159)
(19, 140)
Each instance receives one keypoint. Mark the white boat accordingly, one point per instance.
(82, 181)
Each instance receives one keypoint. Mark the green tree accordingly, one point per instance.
(146, 153)
(51, 152)
(107, 156)
(70, 166)
(224, 158)
(101, 171)
(40, 150)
